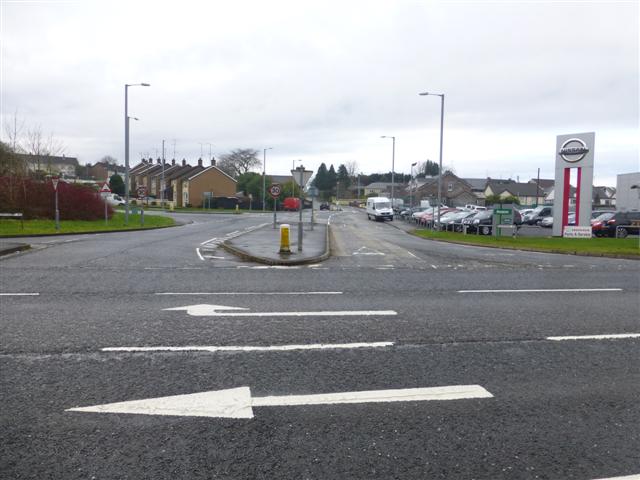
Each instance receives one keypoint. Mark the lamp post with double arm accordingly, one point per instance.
(441, 95)
(126, 146)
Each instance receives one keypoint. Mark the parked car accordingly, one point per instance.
(325, 206)
(535, 217)
(525, 211)
(546, 222)
(113, 199)
(625, 223)
(599, 224)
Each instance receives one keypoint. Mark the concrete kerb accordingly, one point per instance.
(13, 248)
(245, 255)
(94, 232)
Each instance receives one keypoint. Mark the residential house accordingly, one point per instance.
(64, 167)
(455, 191)
(477, 187)
(156, 179)
(603, 197)
(379, 188)
(209, 182)
(527, 193)
(173, 181)
(102, 171)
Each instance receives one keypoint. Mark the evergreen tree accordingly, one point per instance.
(116, 184)
(321, 181)
(343, 177)
(332, 178)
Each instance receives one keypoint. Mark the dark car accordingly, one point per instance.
(538, 213)
(484, 221)
(619, 225)
(325, 206)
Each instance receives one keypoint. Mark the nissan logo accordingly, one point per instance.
(573, 150)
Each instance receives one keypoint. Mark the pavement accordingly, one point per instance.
(262, 245)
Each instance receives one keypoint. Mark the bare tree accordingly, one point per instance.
(239, 161)
(40, 147)
(13, 129)
(352, 168)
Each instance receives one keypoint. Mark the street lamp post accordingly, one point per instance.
(264, 176)
(441, 95)
(393, 167)
(126, 146)
(411, 186)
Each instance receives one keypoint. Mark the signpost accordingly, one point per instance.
(142, 192)
(301, 176)
(105, 189)
(54, 181)
(502, 218)
(275, 190)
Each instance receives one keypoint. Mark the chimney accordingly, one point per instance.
(213, 162)
(184, 162)
(173, 161)
(199, 162)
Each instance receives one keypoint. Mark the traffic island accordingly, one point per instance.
(263, 246)
(12, 247)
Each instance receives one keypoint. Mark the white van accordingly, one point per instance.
(379, 208)
(112, 199)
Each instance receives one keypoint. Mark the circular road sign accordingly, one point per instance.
(141, 191)
(275, 190)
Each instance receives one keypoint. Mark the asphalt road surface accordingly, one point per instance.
(148, 322)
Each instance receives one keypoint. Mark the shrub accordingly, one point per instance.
(36, 199)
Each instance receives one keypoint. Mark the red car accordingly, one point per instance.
(291, 204)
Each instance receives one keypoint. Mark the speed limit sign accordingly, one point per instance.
(275, 190)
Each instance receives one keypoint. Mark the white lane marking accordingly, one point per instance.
(249, 293)
(550, 290)
(370, 252)
(271, 348)
(628, 477)
(213, 256)
(199, 255)
(414, 256)
(206, 310)
(210, 240)
(596, 337)
(19, 294)
(238, 402)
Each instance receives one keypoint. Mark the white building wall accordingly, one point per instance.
(628, 199)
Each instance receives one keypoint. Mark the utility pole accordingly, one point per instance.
(162, 181)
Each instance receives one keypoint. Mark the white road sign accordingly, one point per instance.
(238, 402)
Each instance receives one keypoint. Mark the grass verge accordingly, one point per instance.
(13, 228)
(614, 247)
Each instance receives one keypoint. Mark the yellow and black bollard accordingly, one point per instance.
(284, 239)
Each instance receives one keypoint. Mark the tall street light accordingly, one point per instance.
(411, 185)
(264, 176)
(126, 146)
(441, 95)
(393, 166)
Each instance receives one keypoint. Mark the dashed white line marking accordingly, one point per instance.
(250, 348)
(19, 294)
(210, 240)
(199, 255)
(612, 336)
(544, 290)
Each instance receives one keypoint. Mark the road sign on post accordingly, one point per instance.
(275, 190)
(301, 176)
(55, 180)
(105, 188)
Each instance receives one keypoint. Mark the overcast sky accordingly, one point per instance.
(321, 81)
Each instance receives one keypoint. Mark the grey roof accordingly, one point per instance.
(604, 192)
(518, 189)
(476, 183)
(545, 183)
(380, 185)
(49, 159)
(180, 171)
(186, 174)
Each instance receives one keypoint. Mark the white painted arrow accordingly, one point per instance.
(238, 403)
(206, 310)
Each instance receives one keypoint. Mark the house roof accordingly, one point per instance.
(49, 159)
(187, 173)
(604, 192)
(476, 183)
(181, 170)
(212, 167)
(518, 189)
(380, 185)
(168, 168)
(545, 183)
